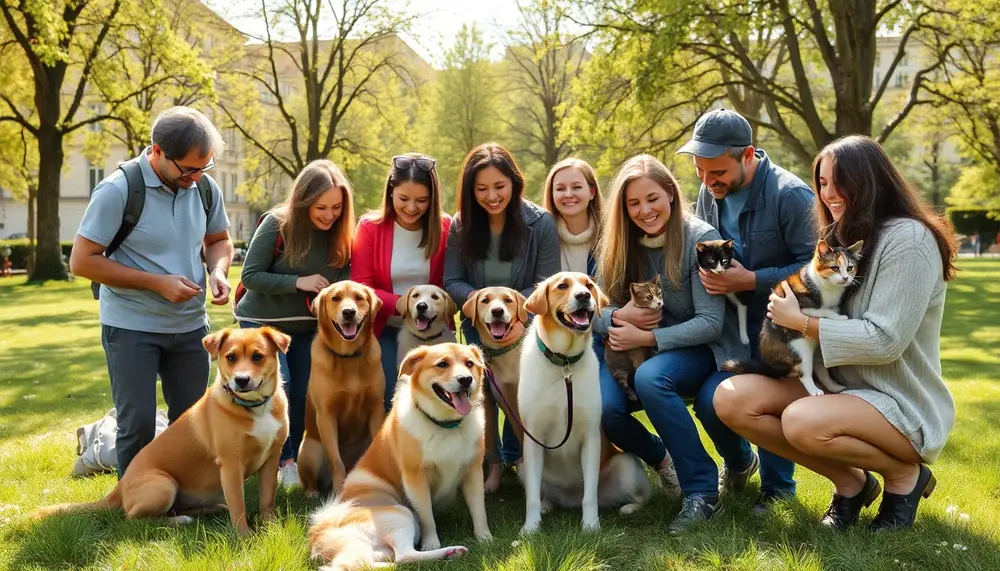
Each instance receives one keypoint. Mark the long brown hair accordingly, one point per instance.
(475, 234)
(596, 206)
(619, 254)
(874, 192)
(295, 226)
(430, 240)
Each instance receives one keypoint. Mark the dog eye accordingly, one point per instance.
(358, 297)
(231, 357)
(484, 301)
(434, 296)
(415, 295)
(257, 357)
(335, 298)
(508, 300)
(562, 286)
(442, 364)
(469, 364)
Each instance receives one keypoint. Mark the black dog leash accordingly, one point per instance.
(556, 359)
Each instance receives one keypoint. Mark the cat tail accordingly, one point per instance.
(755, 367)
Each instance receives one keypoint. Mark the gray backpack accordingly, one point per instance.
(95, 444)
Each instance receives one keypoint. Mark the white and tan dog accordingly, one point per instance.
(426, 311)
(430, 446)
(559, 345)
(499, 317)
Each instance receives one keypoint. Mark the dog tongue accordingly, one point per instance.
(498, 329)
(422, 323)
(580, 317)
(349, 329)
(461, 403)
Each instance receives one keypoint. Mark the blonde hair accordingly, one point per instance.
(295, 225)
(431, 236)
(596, 206)
(619, 256)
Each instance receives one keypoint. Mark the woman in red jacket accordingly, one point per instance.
(401, 245)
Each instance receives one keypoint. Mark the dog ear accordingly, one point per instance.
(411, 360)
(403, 303)
(538, 301)
(280, 340)
(373, 300)
(522, 313)
(317, 306)
(471, 307)
(599, 297)
(213, 342)
(450, 307)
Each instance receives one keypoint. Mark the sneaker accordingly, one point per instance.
(668, 477)
(766, 500)
(695, 509)
(731, 481)
(288, 474)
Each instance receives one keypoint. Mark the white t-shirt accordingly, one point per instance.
(409, 266)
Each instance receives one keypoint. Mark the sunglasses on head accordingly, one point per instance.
(403, 162)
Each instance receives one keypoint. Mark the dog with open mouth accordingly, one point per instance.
(235, 430)
(557, 361)
(427, 311)
(430, 447)
(499, 317)
(344, 401)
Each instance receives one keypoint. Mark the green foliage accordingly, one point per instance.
(21, 249)
(968, 221)
(977, 187)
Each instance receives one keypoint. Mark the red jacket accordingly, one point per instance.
(371, 260)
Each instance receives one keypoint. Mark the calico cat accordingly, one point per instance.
(716, 256)
(819, 287)
(622, 364)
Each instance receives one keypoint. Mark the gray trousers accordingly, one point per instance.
(135, 358)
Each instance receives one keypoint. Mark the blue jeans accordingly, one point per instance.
(777, 475)
(510, 448)
(661, 383)
(389, 342)
(295, 366)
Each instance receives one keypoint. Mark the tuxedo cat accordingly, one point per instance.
(716, 256)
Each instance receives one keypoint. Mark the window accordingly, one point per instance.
(902, 79)
(96, 176)
(233, 183)
(96, 126)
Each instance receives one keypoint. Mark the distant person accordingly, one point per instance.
(974, 241)
(152, 297)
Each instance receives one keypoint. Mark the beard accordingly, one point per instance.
(738, 182)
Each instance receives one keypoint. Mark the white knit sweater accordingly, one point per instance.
(887, 353)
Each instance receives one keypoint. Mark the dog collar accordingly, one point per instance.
(494, 353)
(243, 402)
(431, 338)
(557, 358)
(442, 423)
(347, 355)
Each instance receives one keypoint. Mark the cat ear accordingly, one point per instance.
(701, 246)
(856, 247)
(635, 289)
(727, 244)
(656, 280)
(823, 249)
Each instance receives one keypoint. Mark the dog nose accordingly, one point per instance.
(242, 379)
(497, 312)
(465, 381)
(421, 307)
(582, 295)
(349, 313)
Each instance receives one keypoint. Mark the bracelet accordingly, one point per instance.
(805, 328)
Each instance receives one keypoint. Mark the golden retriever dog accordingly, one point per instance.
(499, 317)
(430, 446)
(235, 430)
(587, 470)
(426, 311)
(344, 401)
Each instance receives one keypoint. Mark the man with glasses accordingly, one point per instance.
(152, 297)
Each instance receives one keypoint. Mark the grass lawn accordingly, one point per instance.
(53, 379)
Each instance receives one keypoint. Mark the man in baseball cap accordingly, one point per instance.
(767, 212)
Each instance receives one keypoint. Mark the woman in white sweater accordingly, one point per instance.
(895, 415)
(573, 198)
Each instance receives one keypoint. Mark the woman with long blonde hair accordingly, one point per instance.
(300, 246)
(649, 231)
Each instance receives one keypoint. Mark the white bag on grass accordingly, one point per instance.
(95, 443)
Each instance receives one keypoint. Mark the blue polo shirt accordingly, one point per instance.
(167, 240)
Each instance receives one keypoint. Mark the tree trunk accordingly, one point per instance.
(48, 254)
(32, 233)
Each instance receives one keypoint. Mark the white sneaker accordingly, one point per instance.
(288, 475)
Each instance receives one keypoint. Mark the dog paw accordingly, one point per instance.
(629, 508)
(181, 520)
(430, 543)
(530, 527)
(591, 526)
(816, 392)
(484, 536)
(457, 551)
(546, 506)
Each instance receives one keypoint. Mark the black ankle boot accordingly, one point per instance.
(844, 512)
(898, 511)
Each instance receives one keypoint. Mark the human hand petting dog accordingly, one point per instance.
(624, 336)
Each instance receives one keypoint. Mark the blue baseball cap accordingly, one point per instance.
(716, 132)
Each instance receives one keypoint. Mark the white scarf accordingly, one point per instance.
(653, 241)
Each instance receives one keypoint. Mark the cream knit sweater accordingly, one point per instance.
(887, 353)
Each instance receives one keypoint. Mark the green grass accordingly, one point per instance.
(53, 379)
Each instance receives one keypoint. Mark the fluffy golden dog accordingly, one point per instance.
(427, 310)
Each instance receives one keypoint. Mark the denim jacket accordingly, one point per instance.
(777, 231)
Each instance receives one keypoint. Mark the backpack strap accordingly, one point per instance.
(207, 196)
(134, 201)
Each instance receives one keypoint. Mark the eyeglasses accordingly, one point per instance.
(192, 172)
(403, 162)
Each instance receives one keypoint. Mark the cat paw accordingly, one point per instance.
(817, 392)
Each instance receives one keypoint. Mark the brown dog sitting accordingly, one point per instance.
(235, 430)
(344, 401)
